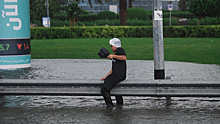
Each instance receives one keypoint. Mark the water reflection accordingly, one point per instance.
(17, 73)
(141, 110)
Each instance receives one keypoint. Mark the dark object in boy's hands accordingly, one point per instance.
(103, 53)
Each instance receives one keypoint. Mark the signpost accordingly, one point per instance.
(170, 7)
(15, 47)
(46, 21)
(159, 72)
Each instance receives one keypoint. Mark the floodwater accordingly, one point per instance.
(92, 110)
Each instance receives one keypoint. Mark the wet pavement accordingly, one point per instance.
(92, 110)
(97, 68)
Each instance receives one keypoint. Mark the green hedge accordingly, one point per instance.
(137, 13)
(144, 15)
(107, 15)
(123, 31)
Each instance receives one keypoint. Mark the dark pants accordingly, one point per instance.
(109, 83)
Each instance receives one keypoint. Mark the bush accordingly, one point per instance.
(177, 14)
(130, 22)
(166, 21)
(84, 11)
(136, 22)
(137, 13)
(51, 33)
(107, 15)
(123, 31)
(205, 21)
(86, 17)
(59, 23)
(106, 22)
(61, 16)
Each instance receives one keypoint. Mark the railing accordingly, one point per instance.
(154, 88)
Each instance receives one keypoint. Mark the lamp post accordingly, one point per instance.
(47, 4)
(159, 71)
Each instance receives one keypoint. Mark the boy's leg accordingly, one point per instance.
(105, 90)
(109, 83)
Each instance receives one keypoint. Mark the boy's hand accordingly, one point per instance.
(111, 56)
(102, 79)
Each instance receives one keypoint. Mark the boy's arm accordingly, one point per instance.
(119, 57)
(110, 72)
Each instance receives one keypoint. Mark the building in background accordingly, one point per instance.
(146, 4)
(113, 5)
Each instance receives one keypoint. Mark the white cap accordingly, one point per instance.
(115, 42)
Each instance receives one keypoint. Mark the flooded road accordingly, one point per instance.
(92, 110)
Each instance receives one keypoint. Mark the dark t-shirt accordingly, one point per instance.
(119, 67)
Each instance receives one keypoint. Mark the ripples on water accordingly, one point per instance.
(92, 110)
(141, 110)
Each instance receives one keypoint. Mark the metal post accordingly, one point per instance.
(2, 99)
(47, 8)
(168, 100)
(170, 17)
(158, 40)
(119, 100)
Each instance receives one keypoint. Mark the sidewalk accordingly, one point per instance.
(136, 69)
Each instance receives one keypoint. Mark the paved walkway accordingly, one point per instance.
(136, 69)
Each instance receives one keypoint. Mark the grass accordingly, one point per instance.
(197, 50)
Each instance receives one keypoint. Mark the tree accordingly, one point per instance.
(123, 12)
(39, 10)
(130, 3)
(73, 10)
(183, 5)
(204, 8)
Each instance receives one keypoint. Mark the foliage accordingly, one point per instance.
(183, 5)
(84, 11)
(204, 8)
(61, 16)
(137, 13)
(39, 10)
(72, 9)
(94, 17)
(107, 15)
(86, 17)
(132, 22)
(178, 14)
(123, 31)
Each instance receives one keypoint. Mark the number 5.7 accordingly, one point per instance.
(7, 46)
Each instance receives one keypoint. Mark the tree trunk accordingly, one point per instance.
(71, 22)
(130, 3)
(123, 12)
(74, 22)
(200, 18)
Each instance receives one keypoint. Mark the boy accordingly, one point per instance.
(117, 73)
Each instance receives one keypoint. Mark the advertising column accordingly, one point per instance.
(15, 47)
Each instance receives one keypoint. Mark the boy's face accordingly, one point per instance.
(113, 48)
